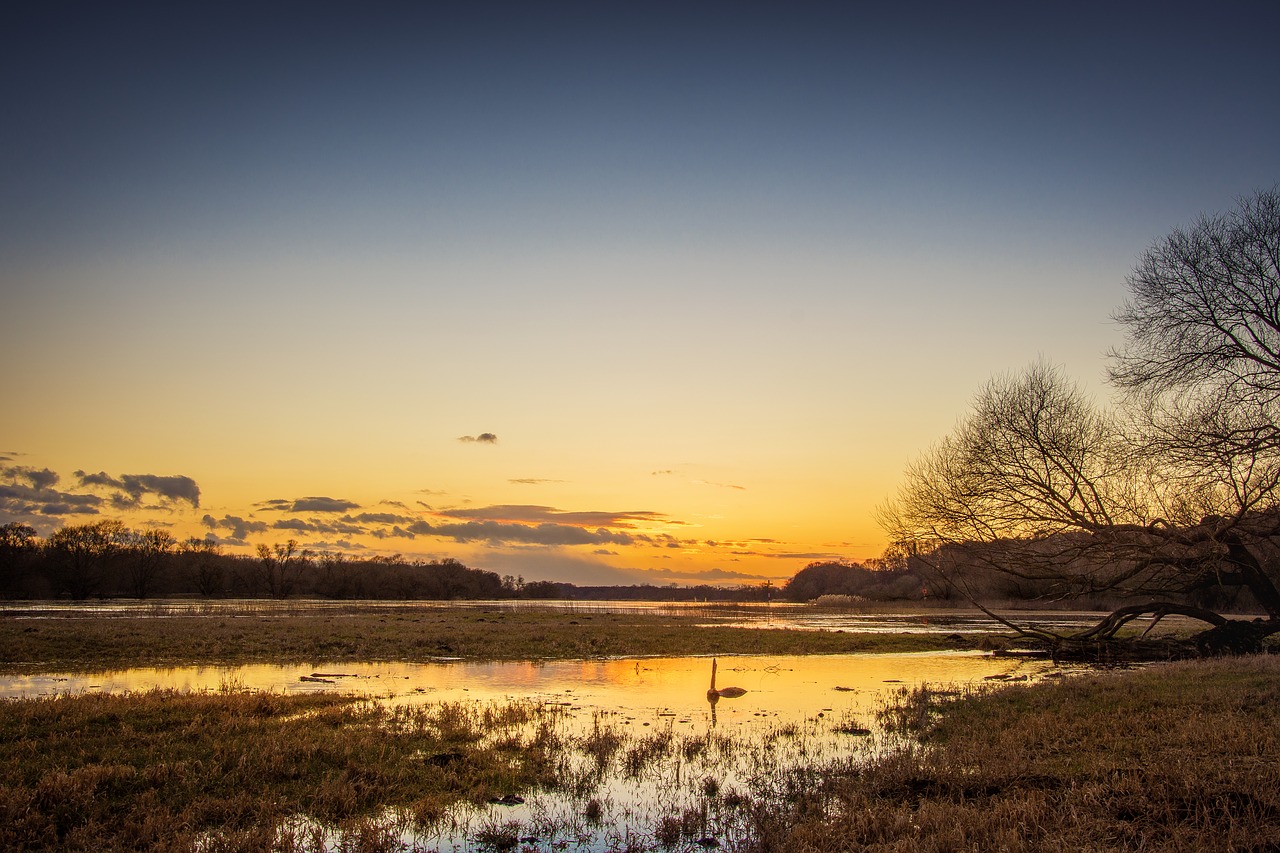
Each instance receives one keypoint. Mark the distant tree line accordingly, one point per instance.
(962, 572)
(106, 559)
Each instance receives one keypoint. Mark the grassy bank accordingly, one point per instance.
(1176, 757)
(87, 643)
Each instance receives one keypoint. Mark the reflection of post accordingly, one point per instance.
(712, 699)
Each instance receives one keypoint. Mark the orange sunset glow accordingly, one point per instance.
(610, 298)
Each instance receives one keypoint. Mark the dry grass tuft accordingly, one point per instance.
(165, 770)
(1178, 757)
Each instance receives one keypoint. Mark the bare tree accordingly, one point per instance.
(82, 554)
(279, 567)
(1041, 485)
(201, 559)
(1203, 317)
(17, 550)
(145, 555)
(1175, 495)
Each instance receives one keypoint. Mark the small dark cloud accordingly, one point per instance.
(666, 540)
(64, 508)
(702, 575)
(720, 485)
(495, 532)
(240, 528)
(314, 503)
(534, 513)
(29, 498)
(322, 504)
(316, 525)
(131, 488)
(102, 478)
(666, 472)
(790, 555)
(376, 518)
(340, 545)
(482, 438)
(38, 478)
(396, 532)
(605, 552)
(297, 525)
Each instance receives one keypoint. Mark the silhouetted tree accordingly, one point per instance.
(17, 552)
(280, 566)
(144, 556)
(1174, 499)
(81, 556)
(1039, 484)
(202, 566)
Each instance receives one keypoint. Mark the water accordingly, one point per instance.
(798, 616)
(685, 767)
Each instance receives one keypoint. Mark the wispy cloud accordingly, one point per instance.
(721, 485)
(534, 513)
(533, 481)
(703, 576)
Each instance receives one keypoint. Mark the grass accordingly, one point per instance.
(1176, 757)
(78, 643)
(169, 771)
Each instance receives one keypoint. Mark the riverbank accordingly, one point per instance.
(81, 643)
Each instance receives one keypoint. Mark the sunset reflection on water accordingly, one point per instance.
(642, 689)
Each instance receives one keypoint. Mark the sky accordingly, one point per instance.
(599, 292)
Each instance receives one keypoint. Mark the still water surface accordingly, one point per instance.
(793, 615)
(798, 713)
(786, 686)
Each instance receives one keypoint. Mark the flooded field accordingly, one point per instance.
(796, 616)
(648, 758)
(606, 736)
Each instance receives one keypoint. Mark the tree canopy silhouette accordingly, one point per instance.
(1172, 496)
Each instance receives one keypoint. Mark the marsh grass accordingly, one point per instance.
(87, 643)
(228, 770)
(1177, 757)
